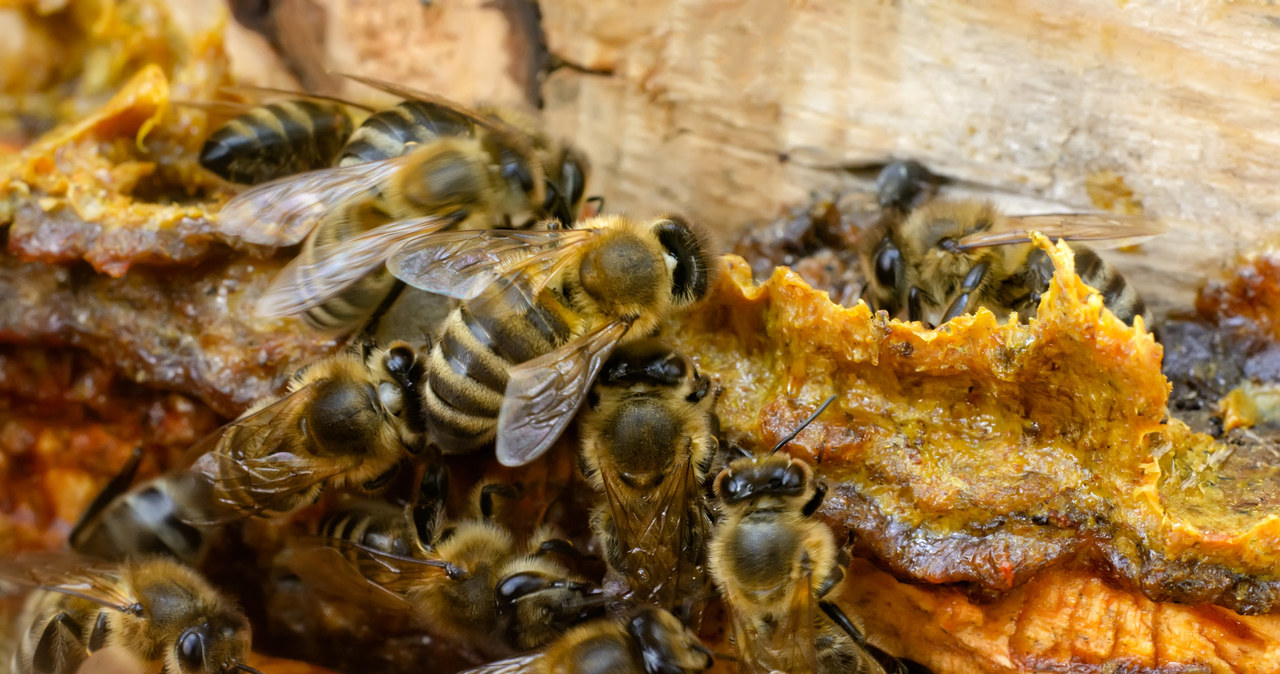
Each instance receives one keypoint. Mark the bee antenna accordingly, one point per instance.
(725, 656)
(241, 667)
(803, 424)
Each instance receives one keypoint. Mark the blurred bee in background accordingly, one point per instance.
(350, 419)
(123, 523)
(647, 641)
(773, 562)
(540, 313)
(648, 440)
(279, 139)
(158, 610)
(422, 166)
(937, 260)
(470, 582)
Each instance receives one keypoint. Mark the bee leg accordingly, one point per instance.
(914, 311)
(381, 479)
(599, 203)
(963, 302)
(819, 493)
(557, 206)
(432, 492)
(837, 615)
(833, 579)
(370, 327)
(117, 486)
(559, 546)
(59, 650)
(488, 491)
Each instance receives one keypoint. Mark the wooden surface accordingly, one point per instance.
(1049, 99)
(687, 105)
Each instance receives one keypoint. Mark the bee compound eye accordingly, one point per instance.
(191, 649)
(519, 585)
(516, 173)
(792, 479)
(400, 359)
(888, 261)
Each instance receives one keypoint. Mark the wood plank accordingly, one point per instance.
(1055, 100)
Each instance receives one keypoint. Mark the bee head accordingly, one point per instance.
(540, 600)
(749, 477)
(648, 362)
(774, 475)
(689, 254)
(209, 635)
(218, 646)
(664, 645)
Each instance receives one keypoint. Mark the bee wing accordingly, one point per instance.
(321, 565)
(258, 93)
(409, 93)
(658, 530)
(790, 644)
(461, 264)
(282, 212)
(1116, 230)
(520, 664)
(253, 455)
(309, 281)
(544, 393)
(91, 579)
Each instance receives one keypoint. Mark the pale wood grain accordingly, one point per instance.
(1029, 98)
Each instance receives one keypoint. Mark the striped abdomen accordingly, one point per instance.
(376, 525)
(1118, 296)
(277, 140)
(467, 367)
(386, 134)
(394, 131)
(141, 523)
(63, 631)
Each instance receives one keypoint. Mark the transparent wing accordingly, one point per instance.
(260, 93)
(322, 566)
(396, 574)
(787, 644)
(462, 264)
(517, 665)
(543, 394)
(1116, 230)
(246, 466)
(66, 573)
(652, 532)
(309, 281)
(409, 93)
(283, 212)
(218, 490)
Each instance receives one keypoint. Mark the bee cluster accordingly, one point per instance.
(548, 321)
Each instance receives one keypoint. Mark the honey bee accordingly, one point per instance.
(347, 420)
(422, 166)
(648, 641)
(278, 139)
(123, 523)
(156, 609)
(943, 259)
(469, 582)
(648, 441)
(540, 313)
(773, 561)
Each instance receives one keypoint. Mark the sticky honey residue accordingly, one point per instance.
(1108, 191)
